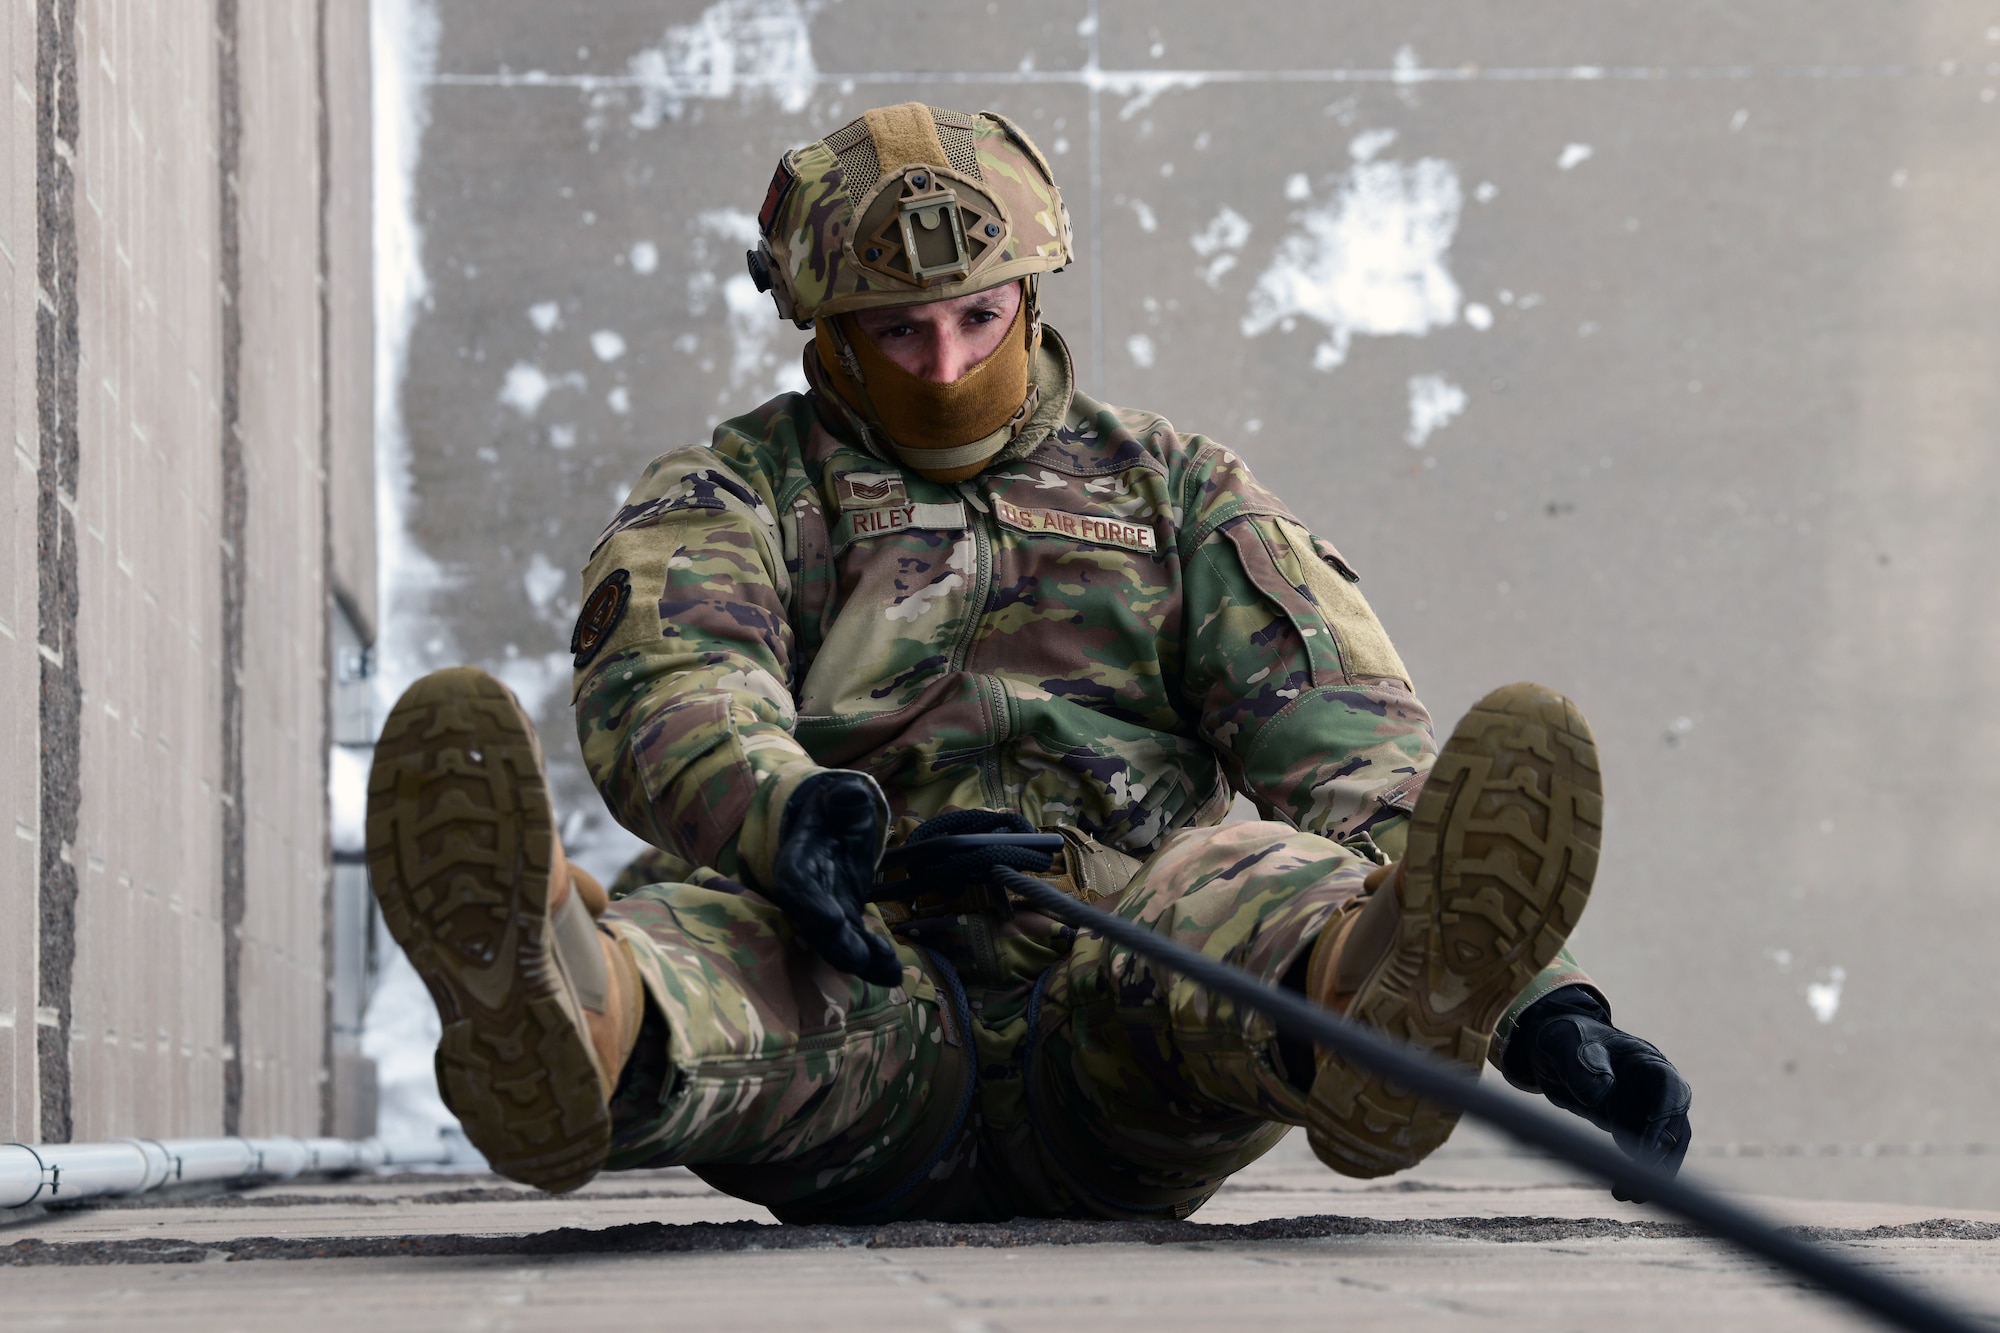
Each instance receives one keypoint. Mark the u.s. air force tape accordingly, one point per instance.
(1102, 529)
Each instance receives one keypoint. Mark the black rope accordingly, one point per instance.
(1447, 1085)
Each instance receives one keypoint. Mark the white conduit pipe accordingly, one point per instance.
(67, 1172)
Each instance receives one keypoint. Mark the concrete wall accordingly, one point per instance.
(166, 760)
(1700, 313)
(20, 665)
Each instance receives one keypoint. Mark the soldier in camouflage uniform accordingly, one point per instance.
(941, 583)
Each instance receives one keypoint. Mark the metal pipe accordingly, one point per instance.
(67, 1172)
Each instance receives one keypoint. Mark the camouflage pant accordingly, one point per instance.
(1019, 1071)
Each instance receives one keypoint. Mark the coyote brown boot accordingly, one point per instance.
(540, 1007)
(1502, 848)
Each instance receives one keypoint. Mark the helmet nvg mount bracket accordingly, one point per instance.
(908, 203)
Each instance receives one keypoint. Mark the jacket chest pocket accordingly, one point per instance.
(905, 575)
(1080, 604)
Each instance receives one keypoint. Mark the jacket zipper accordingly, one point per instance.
(981, 590)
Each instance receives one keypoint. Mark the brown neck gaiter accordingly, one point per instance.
(945, 432)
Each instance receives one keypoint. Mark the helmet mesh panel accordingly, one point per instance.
(856, 152)
(960, 144)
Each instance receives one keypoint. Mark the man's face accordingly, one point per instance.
(941, 340)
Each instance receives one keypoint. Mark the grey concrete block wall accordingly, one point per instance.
(145, 982)
(287, 570)
(1705, 428)
(348, 322)
(20, 665)
(168, 565)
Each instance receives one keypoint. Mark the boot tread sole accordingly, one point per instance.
(460, 841)
(1502, 849)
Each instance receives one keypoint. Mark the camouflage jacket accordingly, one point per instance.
(1112, 627)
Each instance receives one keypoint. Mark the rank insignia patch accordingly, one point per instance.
(870, 490)
(602, 611)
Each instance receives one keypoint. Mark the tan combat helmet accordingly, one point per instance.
(908, 203)
(911, 204)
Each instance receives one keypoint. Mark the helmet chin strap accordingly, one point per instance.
(850, 364)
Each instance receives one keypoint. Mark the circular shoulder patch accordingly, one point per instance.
(602, 611)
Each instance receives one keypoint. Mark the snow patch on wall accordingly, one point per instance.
(1368, 260)
(543, 581)
(1823, 997)
(347, 790)
(405, 42)
(400, 1028)
(527, 386)
(1226, 233)
(754, 327)
(1368, 145)
(534, 679)
(748, 48)
(1434, 402)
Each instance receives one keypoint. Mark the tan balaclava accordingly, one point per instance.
(946, 432)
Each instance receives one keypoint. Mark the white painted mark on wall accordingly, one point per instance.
(1367, 260)
(1434, 402)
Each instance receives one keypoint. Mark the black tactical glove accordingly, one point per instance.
(1564, 1047)
(827, 842)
